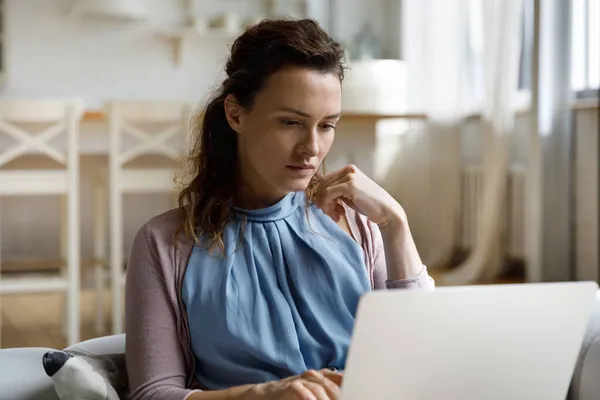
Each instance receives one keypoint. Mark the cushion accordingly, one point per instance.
(77, 374)
(93, 369)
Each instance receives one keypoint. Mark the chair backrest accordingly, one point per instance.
(51, 119)
(152, 124)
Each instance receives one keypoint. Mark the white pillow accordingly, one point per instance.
(81, 376)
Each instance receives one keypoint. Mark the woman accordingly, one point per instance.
(249, 289)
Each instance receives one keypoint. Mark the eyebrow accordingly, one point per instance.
(303, 114)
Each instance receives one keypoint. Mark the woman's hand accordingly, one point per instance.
(311, 385)
(351, 186)
(358, 191)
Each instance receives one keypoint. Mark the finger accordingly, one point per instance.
(327, 180)
(335, 175)
(318, 390)
(332, 390)
(345, 178)
(339, 209)
(299, 391)
(332, 193)
(334, 376)
(337, 213)
(348, 202)
(330, 180)
(333, 208)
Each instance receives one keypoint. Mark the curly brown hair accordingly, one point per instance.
(257, 54)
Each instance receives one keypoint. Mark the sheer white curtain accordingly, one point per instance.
(456, 66)
(425, 176)
(501, 51)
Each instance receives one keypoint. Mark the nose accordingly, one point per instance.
(53, 361)
(310, 146)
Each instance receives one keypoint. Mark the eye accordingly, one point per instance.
(328, 127)
(289, 122)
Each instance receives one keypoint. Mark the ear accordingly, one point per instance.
(234, 113)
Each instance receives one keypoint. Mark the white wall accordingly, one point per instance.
(50, 54)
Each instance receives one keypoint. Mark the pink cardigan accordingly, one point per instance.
(160, 361)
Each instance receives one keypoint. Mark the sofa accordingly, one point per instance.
(22, 375)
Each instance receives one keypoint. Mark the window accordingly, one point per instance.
(585, 47)
(526, 46)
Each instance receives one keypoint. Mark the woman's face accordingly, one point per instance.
(285, 135)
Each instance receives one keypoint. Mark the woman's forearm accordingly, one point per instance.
(401, 255)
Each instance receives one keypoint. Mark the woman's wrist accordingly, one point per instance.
(401, 254)
(396, 223)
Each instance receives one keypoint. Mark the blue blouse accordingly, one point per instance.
(282, 300)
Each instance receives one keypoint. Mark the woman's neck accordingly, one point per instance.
(252, 199)
(252, 191)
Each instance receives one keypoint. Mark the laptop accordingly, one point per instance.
(469, 342)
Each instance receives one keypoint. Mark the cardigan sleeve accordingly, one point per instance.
(154, 357)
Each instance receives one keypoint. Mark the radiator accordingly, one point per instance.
(513, 210)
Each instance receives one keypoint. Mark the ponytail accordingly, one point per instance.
(206, 200)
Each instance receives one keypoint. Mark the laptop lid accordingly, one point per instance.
(469, 342)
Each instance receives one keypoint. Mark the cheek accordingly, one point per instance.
(326, 144)
(268, 144)
(273, 143)
(266, 148)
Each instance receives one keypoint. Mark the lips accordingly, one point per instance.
(301, 171)
(301, 167)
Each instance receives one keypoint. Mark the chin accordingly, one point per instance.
(296, 185)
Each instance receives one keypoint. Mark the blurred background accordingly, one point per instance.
(479, 116)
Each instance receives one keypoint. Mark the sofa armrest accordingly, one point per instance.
(114, 344)
(585, 384)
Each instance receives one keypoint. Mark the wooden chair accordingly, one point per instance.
(22, 120)
(152, 124)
